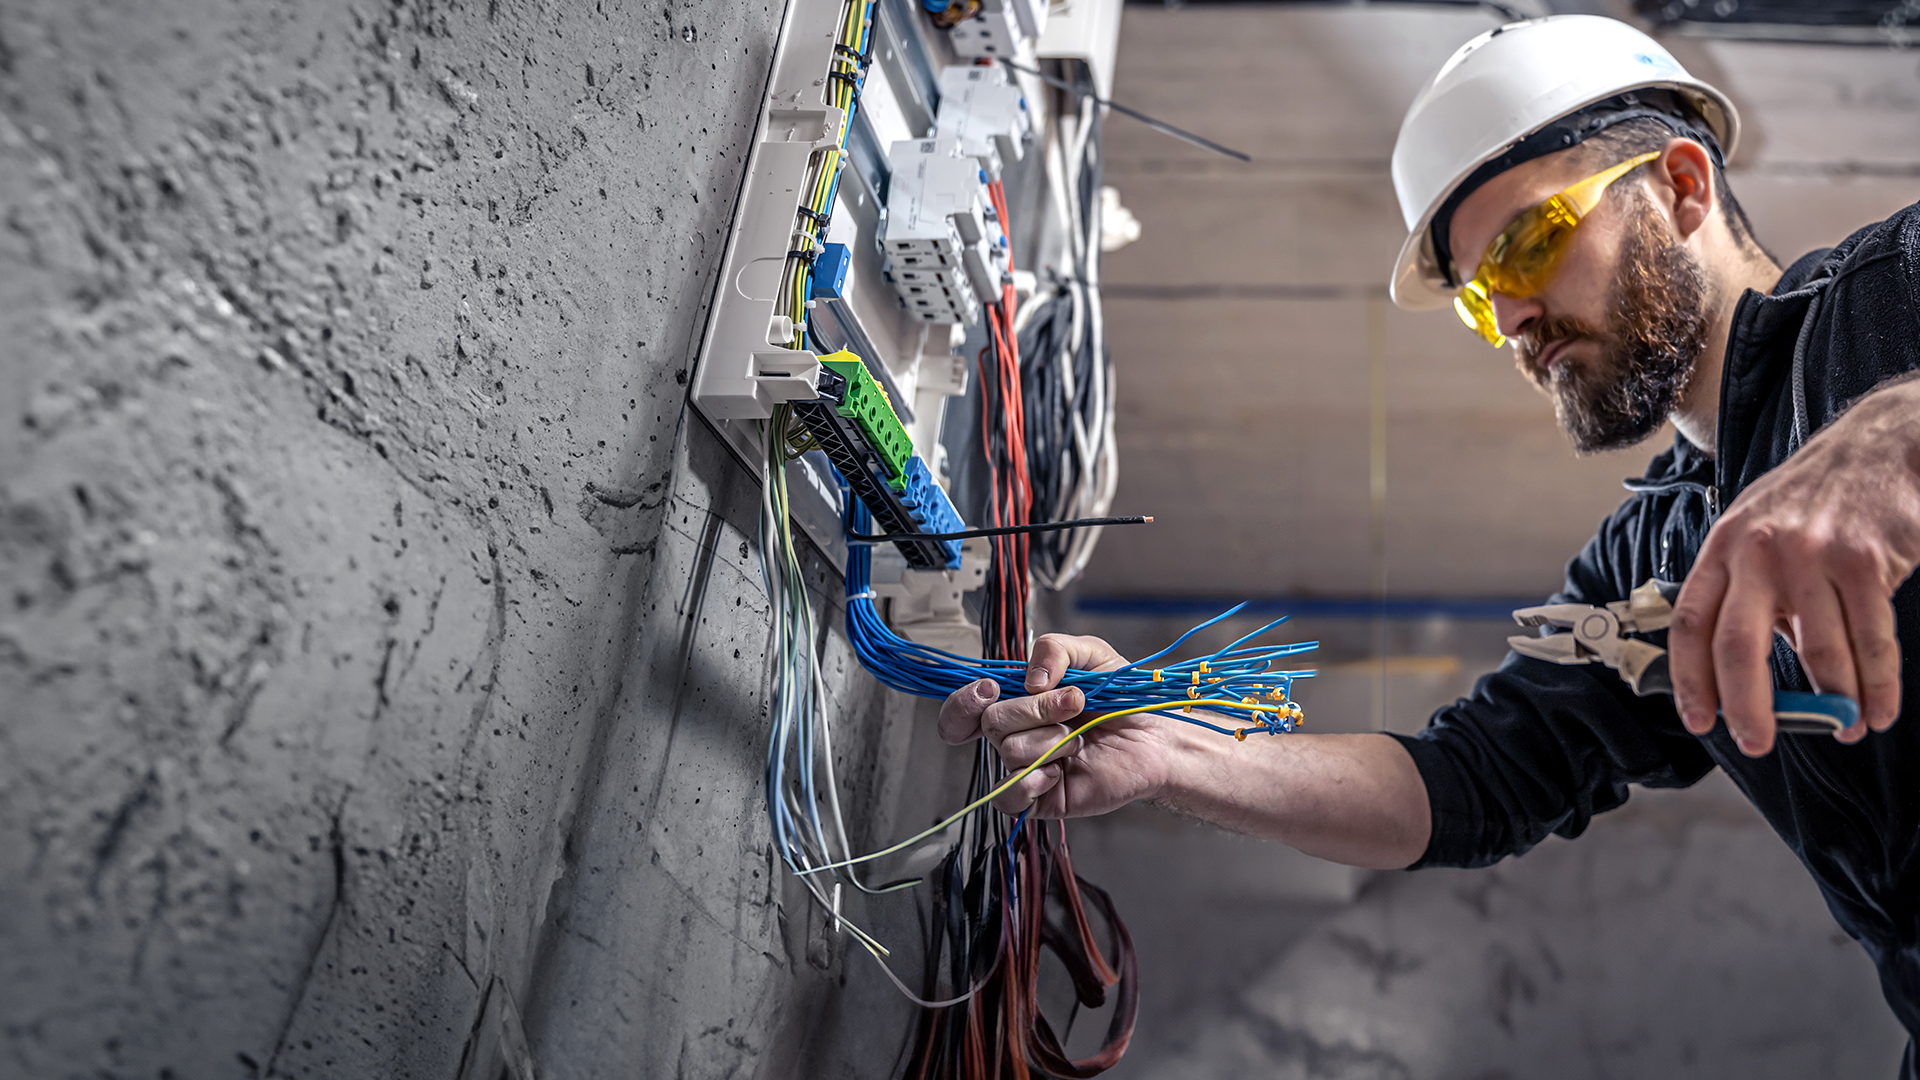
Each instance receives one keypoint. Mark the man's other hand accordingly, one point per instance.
(1114, 764)
(1812, 550)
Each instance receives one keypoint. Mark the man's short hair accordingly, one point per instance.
(1642, 135)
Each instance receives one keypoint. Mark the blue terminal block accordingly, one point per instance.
(927, 503)
(830, 271)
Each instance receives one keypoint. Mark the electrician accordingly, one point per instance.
(1789, 503)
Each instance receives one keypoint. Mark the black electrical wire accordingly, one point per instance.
(1004, 530)
(1158, 125)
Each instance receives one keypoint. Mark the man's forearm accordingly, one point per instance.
(1354, 799)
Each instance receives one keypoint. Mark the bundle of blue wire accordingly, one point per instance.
(1238, 671)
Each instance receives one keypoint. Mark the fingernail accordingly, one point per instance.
(1037, 677)
(986, 689)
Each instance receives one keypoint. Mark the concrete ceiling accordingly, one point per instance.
(1297, 435)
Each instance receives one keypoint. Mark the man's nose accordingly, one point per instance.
(1514, 316)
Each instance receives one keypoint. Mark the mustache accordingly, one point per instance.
(1543, 335)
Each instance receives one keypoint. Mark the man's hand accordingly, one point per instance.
(1121, 760)
(1813, 550)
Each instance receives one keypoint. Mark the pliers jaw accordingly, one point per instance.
(1599, 634)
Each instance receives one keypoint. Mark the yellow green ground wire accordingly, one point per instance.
(850, 48)
(1005, 785)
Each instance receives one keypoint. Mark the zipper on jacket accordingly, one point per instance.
(1713, 503)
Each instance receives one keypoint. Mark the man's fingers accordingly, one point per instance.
(1029, 789)
(1820, 636)
(960, 714)
(1041, 710)
(1022, 750)
(1690, 645)
(1053, 654)
(1742, 643)
(1876, 652)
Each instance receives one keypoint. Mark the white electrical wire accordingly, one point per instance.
(801, 740)
(1092, 457)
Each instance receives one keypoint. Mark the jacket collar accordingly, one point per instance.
(1759, 352)
(1758, 319)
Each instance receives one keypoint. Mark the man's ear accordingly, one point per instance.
(1683, 176)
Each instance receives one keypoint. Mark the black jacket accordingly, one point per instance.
(1540, 748)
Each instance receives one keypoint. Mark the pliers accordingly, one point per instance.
(1601, 634)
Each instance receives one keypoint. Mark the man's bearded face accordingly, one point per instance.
(1657, 330)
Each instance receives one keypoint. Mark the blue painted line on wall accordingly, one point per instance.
(1493, 608)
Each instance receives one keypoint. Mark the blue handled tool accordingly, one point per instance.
(1601, 634)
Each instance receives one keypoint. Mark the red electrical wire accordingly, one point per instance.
(1000, 1031)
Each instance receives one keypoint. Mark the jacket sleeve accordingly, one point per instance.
(1541, 748)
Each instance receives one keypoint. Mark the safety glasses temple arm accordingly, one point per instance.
(1585, 195)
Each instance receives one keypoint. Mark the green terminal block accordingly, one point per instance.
(866, 404)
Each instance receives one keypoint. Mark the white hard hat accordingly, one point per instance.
(1511, 83)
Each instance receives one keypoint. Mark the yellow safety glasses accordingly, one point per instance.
(1521, 260)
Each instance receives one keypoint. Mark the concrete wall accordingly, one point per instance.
(380, 640)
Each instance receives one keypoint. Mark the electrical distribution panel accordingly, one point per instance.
(903, 248)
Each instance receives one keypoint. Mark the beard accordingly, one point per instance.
(1656, 332)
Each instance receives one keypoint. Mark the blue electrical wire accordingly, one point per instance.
(1238, 671)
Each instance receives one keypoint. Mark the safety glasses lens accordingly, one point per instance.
(1476, 310)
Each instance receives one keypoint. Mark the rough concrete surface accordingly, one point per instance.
(380, 644)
